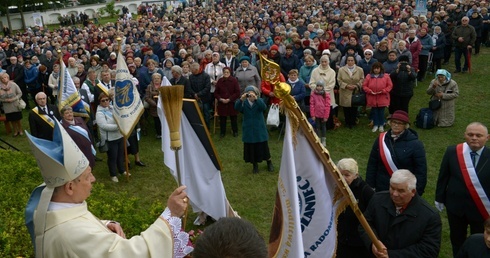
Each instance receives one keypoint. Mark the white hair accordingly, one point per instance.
(404, 176)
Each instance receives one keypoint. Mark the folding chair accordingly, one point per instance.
(430, 63)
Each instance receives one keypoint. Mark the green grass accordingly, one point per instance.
(138, 202)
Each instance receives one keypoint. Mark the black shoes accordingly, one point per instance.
(270, 167)
(256, 168)
(139, 163)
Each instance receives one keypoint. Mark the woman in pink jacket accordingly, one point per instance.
(377, 86)
(320, 109)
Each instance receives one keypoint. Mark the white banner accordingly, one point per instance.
(127, 102)
(203, 180)
(308, 224)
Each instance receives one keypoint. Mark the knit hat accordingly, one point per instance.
(400, 115)
(274, 47)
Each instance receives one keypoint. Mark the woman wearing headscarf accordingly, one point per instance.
(446, 90)
(247, 74)
(226, 93)
(326, 74)
(255, 136)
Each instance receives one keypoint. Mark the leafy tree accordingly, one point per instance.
(111, 10)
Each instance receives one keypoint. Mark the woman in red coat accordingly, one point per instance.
(226, 93)
(377, 86)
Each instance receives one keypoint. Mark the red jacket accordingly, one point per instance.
(267, 88)
(377, 90)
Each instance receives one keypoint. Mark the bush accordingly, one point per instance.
(19, 177)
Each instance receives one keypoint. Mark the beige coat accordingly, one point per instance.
(344, 78)
(10, 97)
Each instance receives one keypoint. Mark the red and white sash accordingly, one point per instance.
(386, 155)
(471, 180)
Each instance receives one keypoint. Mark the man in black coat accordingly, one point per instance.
(200, 89)
(16, 73)
(465, 169)
(41, 118)
(405, 224)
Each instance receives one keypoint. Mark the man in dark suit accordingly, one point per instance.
(104, 86)
(41, 118)
(463, 185)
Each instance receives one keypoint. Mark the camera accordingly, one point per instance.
(247, 95)
(403, 66)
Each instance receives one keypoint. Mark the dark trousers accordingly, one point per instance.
(330, 122)
(158, 125)
(477, 45)
(447, 53)
(458, 228)
(422, 67)
(436, 64)
(115, 157)
(458, 52)
(399, 103)
(350, 115)
(320, 127)
(222, 124)
(25, 95)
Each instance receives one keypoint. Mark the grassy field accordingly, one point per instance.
(136, 203)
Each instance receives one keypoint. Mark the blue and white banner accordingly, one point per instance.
(128, 107)
(420, 8)
(69, 95)
(304, 223)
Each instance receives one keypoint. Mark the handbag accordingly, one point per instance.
(21, 105)
(435, 104)
(358, 98)
(103, 147)
(273, 116)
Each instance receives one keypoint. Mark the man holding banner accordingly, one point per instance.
(405, 224)
(463, 185)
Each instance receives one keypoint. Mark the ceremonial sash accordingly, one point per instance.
(103, 88)
(84, 133)
(44, 117)
(386, 155)
(471, 180)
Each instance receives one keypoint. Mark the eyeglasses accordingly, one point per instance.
(394, 122)
(104, 100)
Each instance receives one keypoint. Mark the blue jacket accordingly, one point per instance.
(298, 91)
(253, 126)
(427, 44)
(30, 77)
(288, 63)
(365, 65)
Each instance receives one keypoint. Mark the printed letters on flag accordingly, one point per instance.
(127, 102)
(304, 223)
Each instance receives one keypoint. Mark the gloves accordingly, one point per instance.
(439, 205)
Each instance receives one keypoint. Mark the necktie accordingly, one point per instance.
(398, 211)
(473, 155)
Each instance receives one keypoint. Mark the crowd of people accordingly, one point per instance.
(328, 52)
